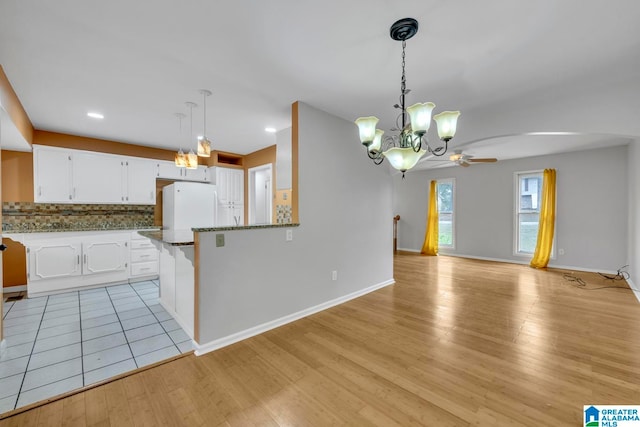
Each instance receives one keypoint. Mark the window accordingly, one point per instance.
(446, 230)
(528, 196)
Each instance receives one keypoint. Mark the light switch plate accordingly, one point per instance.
(289, 235)
(219, 240)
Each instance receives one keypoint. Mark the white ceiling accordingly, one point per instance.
(138, 61)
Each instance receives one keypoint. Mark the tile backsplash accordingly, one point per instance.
(283, 214)
(29, 217)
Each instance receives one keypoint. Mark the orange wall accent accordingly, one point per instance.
(17, 176)
(12, 104)
(259, 158)
(100, 145)
(14, 264)
(295, 217)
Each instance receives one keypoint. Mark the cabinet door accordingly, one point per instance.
(237, 186)
(238, 215)
(52, 260)
(97, 178)
(141, 181)
(224, 215)
(106, 254)
(168, 170)
(52, 175)
(222, 185)
(196, 175)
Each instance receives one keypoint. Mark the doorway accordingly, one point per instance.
(260, 195)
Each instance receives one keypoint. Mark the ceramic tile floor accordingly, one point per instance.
(62, 342)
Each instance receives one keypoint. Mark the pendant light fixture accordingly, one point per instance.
(180, 158)
(192, 158)
(406, 148)
(204, 145)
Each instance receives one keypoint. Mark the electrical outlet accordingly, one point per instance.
(219, 240)
(334, 275)
(289, 235)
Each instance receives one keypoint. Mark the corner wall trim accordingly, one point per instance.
(255, 330)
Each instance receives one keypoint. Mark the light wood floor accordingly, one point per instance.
(455, 342)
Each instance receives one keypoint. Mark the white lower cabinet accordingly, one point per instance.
(144, 257)
(54, 260)
(59, 262)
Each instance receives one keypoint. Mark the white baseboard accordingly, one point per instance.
(10, 289)
(634, 289)
(201, 349)
(522, 262)
(409, 250)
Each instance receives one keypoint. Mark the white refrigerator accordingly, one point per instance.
(188, 204)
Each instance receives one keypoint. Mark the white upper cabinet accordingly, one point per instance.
(74, 176)
(52, 175)
(140, 176)
(168, 170)
(97, 178)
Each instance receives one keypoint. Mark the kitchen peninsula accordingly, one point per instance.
(179, 265)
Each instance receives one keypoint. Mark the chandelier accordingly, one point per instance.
(405, 149)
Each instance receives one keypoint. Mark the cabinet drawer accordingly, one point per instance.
(142, 255)
(142, 244)
(144, 268)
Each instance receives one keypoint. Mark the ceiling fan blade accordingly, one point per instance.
(487, 160)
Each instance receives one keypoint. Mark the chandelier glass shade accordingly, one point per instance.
(404, 149)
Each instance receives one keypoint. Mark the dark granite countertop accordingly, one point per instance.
(23, 230)
(185, 237)
(170, 237)
(244, 227)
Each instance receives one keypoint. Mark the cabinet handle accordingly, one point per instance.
(127, 198)
(78, 259)
(144, 256)
(74, 192)
(85, 258)
(122, 198)
(150, 195)
(39, 190)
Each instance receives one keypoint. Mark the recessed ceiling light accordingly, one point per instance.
(95, 115)
(270, 130)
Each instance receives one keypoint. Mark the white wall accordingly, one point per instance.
(258, 280)
(592, 212)
(634, 214)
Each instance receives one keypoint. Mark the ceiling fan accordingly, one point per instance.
(465, 159)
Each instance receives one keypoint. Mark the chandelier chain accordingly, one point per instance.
(403, 86)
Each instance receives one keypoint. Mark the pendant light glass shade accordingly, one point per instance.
(367, 126)
(204, 145)
(447, 122)
(403, 159)
(192, 160)
(180, 159)
(420, 116)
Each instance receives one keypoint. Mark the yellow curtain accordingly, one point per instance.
(430, 246)
(547, 220)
